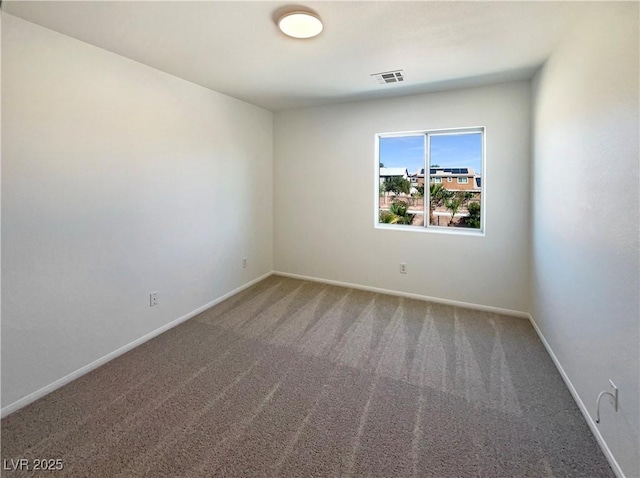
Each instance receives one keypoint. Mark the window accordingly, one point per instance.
(411, 192)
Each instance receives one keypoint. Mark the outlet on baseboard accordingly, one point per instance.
(153, 299)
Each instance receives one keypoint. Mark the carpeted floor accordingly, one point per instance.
(292, 378)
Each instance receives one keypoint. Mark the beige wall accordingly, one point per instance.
(585, 231)
(117, 180)
(324, 226)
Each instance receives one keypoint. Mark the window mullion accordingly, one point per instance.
(427, 182)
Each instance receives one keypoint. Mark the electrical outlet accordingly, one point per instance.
(403, 268)
(244, 262)
(153, 299)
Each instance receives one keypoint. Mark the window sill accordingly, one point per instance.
(432, 230)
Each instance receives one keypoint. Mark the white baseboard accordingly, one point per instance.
(455, 303)
(583, 409)
(32, 397)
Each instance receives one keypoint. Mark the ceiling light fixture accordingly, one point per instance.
(300, 24)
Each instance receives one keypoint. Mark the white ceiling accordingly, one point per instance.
(236, 48)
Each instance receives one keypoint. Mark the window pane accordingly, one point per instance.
(457, 201)
(401, 179)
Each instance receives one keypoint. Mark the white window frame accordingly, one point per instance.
(427, 180)
(449, 180)
(463, 180)
(437, 180)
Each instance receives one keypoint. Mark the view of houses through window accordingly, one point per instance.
(431, 179)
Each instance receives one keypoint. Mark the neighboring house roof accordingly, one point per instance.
(451, 172)
(393, 172)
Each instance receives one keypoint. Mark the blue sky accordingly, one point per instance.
(448, 151)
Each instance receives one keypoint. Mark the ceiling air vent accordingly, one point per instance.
(385, 77)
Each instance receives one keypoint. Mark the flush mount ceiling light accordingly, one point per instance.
(300, 24)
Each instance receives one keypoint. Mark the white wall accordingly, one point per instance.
(117, 180)
(324, 198)
(585, 235)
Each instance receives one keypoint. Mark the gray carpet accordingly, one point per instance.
(292, 378)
